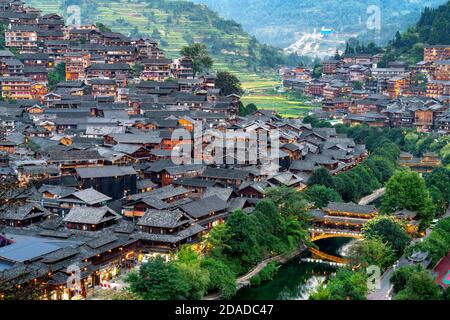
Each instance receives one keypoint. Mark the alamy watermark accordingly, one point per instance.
(73, 16)
(374, 277)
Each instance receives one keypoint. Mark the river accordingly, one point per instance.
(296, 280)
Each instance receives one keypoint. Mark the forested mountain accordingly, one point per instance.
(432, 28)
(176, 24)
(277, 21)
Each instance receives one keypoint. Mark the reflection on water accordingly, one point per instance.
(296, 280)
(305, 290)
(344, 251)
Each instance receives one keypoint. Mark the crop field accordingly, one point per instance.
(285, 105)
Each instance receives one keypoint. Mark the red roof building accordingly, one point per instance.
(442, 270)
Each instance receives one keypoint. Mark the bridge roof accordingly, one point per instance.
(317, 213)
(351, 207)
(348, 220)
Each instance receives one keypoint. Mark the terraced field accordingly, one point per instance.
(176, 27)
(283, 103)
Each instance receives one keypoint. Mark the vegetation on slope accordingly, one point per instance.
(431, 29)
(176, 24)
(278, 21)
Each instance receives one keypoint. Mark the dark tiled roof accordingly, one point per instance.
(74, 155)
(105, 171)
(163, 219)
(225, 174)
(205, 206)
(350, 207)
(90, 215)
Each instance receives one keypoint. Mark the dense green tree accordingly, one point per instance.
(217, 240)
(266, 274)
(369, 179)
(158, 280)
(438, 182)
(372, 251)
(221, 277)
(380, 167)
(228, 83)
(387, 150)
(317, 71)
(137, 69)
(346, 187)
(437, 244)
(102, 27)
(388, 230)
(401, 275)
(322, 195)
(268, 216)
(57, 75)
(357, 85)
(3, 28)
(345, 285)
(420, 286)
(407, 190)
(247, 110)
(321, 176)
(268, 223)
(198, 52)
(288, 201)
(295, 231)
(241, 242)
(362, 187)
(446, 294)
(316, 123)
(189, 263)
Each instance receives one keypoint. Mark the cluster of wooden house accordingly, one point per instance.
(353, 88)
(97, 186)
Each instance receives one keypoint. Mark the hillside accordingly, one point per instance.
(176, 24)
(278, 21)
(432, 28)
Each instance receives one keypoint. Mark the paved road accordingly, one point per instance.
(372, 197)
(385, 291)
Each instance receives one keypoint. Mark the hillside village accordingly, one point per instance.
(87, 162)
(354, 90)
(92, 156)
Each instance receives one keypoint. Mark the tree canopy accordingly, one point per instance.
(420, 286)
(407, 190)
(388, 230)
(345, 285)
(321, 195)
(158, 280)
(321, 176)
(201, 60)
(57, 75)
(228, 83)
(372, 251)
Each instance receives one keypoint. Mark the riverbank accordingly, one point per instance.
(296, 279)
(244, 280)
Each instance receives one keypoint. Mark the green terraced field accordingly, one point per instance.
(282, 103)
(175, 29)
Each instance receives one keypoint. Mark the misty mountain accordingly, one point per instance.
(279, 22)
